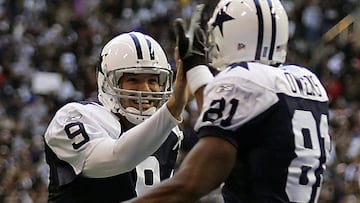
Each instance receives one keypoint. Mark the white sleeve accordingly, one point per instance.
(198, 76)
(111, 157)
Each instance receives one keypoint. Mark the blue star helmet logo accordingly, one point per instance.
(222, 17)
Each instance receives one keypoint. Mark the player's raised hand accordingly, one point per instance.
(191, 43)
(191, 49)
(181, 94)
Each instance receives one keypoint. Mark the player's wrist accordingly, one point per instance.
(192, 61)
(174, 109)
(198, 76)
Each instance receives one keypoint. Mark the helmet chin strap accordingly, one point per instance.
(134, 116)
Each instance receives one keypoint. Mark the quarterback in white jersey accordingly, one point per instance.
(119, 148)
(263, 126)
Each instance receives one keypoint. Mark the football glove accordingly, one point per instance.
(191, 43)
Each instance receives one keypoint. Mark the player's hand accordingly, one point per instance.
(181, 93)
(191, 43)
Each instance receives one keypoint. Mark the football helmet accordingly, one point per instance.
(247, 30)
(135, 53)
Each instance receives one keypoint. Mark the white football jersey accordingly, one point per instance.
(88, 148)
(76, 125)
(277, 118)
(255, 88)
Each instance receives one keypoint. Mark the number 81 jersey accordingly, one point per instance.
(277, 118)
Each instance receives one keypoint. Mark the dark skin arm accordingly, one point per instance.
(206, 166)
(199, 95)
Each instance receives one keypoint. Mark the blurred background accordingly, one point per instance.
(49, 50)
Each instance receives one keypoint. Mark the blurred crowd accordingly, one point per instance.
(65, 37)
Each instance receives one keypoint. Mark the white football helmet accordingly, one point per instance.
(135, 53)
(247, 30)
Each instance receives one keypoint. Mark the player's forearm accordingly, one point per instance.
(178, 191)
(202, 171)
(175, 108)
(145, 138)
(113, 157)
(185, 187)
(199, 96)
(179, 98)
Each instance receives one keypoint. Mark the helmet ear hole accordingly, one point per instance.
(135, 53)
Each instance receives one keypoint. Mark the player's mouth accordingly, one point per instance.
(144, 103)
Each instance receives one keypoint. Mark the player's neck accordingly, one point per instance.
(125, 124)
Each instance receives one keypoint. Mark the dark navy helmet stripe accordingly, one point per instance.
(260, 28)
(273, 31)
(151, 50)
(137, 45)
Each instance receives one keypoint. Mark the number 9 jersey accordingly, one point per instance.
(277, 118)
(88, 163)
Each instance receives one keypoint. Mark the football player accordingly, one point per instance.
(263, 125)
(117, 149)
